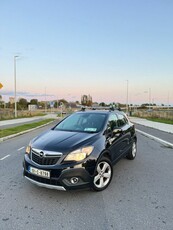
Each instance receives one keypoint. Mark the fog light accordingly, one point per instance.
(74, 180)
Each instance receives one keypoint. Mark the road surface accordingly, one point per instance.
(139, 196)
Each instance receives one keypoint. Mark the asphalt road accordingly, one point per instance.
(157, 133)
(139, 197)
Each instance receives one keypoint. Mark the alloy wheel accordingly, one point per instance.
(134, 149)
(104, 173)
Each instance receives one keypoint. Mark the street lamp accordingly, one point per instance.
(15, 100)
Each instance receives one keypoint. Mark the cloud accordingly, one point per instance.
(24, 94)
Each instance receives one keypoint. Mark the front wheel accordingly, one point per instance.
(103, 175)
(132, 153)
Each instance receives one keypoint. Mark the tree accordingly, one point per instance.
(41, 104)
(1, 102)
(102, 104)
(34, 101)
(55, 104)
(62, 101)
(22, 104)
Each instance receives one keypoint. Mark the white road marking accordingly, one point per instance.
(166, 143)
(4, 157)
(9, 154)
(21, 148)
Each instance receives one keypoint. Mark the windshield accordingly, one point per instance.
(83, 122)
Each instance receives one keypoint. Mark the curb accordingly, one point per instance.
(23, 132)
(165, 143)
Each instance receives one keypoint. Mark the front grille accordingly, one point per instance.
(43, 160)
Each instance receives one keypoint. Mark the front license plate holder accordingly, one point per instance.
(39, 172)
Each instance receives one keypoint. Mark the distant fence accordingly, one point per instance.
(153, 114)
(9, 113)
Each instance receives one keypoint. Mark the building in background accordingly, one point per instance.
(86, 100)
(32, 107)
(11, 99)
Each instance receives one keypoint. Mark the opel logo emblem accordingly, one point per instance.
(41, 154)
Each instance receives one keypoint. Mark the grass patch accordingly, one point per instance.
(161, 120)
(21, 128)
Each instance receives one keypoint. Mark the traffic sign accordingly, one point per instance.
(1, 85)
(52, 103)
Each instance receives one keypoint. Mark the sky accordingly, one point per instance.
(67, 48)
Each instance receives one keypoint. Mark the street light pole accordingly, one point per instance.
(127, 96)
(15, 99)
(45, 101)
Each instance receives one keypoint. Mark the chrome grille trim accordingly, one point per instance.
(45, 157)
(47, 153)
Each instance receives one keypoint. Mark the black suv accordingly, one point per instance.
(80, 150)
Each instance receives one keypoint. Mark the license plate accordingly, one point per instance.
(39, 172)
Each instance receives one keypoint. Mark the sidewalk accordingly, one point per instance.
(156, 125)
(16, 122)
(25, 120)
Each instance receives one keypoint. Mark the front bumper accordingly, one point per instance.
(60, 176)
(46, 185)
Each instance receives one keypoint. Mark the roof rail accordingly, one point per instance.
(110, 108)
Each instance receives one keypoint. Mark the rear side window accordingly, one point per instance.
(122, 120)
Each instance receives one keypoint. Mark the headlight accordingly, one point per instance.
(28, 149)
(79, 154)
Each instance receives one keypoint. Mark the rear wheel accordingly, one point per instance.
(132, 153)
(104, 172)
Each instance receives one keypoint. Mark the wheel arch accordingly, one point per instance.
(106, 154)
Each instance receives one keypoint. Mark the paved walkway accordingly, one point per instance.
(25, 120)
(156, 125)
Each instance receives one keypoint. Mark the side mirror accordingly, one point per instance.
(117, 131)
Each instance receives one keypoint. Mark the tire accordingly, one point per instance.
(132, 153)
(103, 174)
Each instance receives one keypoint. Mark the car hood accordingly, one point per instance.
(63, 141)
